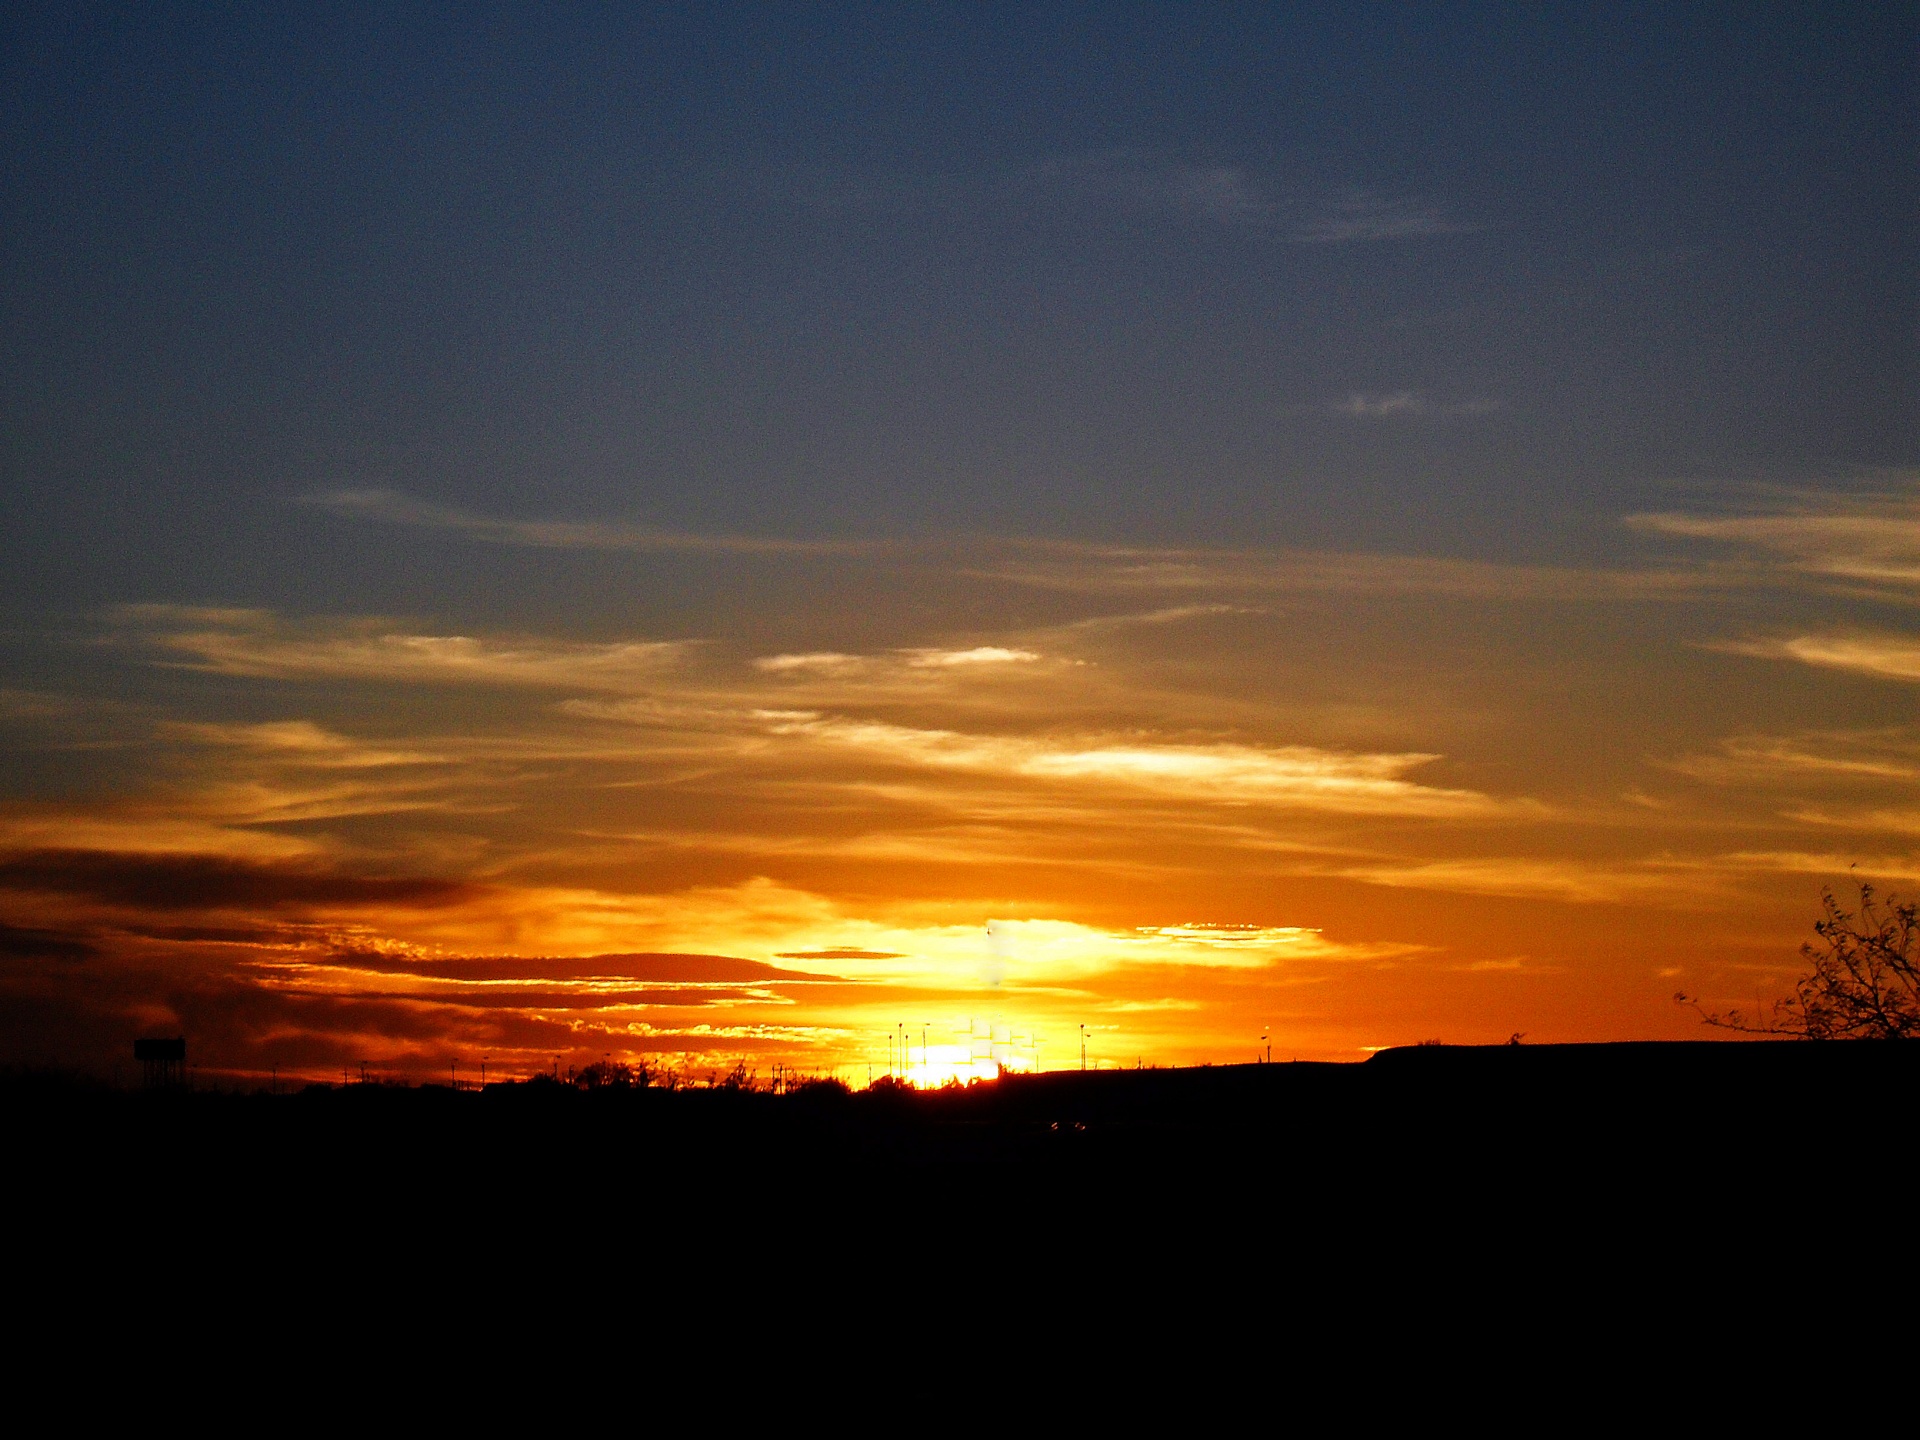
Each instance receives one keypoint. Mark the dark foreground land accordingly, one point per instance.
(1660, 1113)
(1566, 1171)
(1495, 1200)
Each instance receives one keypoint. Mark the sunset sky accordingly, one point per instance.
(712, 533)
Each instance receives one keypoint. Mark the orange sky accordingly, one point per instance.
(992, 792)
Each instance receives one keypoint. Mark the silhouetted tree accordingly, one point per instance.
(1865, 983)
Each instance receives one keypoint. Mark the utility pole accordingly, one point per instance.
(1083, 1046)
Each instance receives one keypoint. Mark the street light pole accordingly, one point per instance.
(1083, 1047)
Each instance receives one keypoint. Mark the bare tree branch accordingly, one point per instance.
(1865, 983)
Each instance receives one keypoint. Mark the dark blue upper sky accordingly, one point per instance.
(1472, 280)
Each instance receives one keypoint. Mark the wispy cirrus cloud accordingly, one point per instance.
(1869, 542)
(1121, 569)
(1296, 776)
(262, 645)
(1232, 195)
(1137, 181)
(1902, 868)
(836, 663)
(847, 729)
(1867, 756)
(1709, 880)
(814, 662)
(1365, 215)
(300, 743)
(1408, 404)
(1222, 192)
(1865, 782)
(1526, 877)
(395, 508)
(1864, 546)
(1881, 657)
(1870, 820)
(1145, 181)
(1105, 568)
(35, 705)
(1227, 194)
(929, 659)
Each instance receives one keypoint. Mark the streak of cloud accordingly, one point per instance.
(1366, 216)
(1528, 877)
(1093, 567)
(830, 662)
(261, 645)
(1410, 404)
(1881, 657)
(1096, 569)
(1870, 757)
(1139, 182)
(1869, 542)
(978, 655)
(1295, 775)
(300, 743)
(394, 508)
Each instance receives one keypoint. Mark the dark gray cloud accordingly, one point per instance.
(167, 882)
(24, 943)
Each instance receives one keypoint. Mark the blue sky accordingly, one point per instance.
(1482, 280)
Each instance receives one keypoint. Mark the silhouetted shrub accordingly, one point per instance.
(819, 1087)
